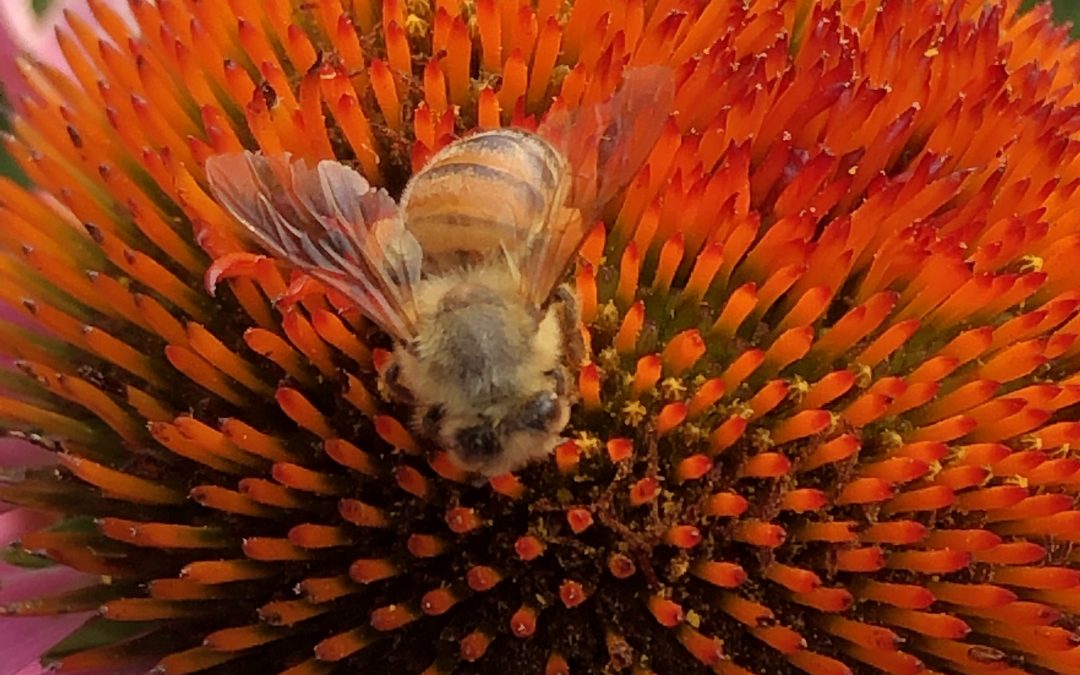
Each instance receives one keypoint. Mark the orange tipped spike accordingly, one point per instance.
(482, 578)
(646, 375)
(682, 352)
(391, 617)
(567, 457)
(528, 548)
(895, 532)
(462, 520)
(800, 425)
(620, 449)
(738, 307)
(682, 536)
(523, 622)
(671, 255)
(906, 596)
(827, 389)
(741, 368)
(836, 450)
(793, 578)
(766, 465)
(929, 562)
(707, 394)
(670, 417)
(722, 574)
(669, 614)
(804, 500)
(864, 491)
(394, 432)
(579, 520)
(620, 566)
(726, 434)
(508, 485)
(693, 467)
(382, 83)
(410, 480)
(757, 533)
(644, 491)
(572, 594)
(490, 29)
(626, 339)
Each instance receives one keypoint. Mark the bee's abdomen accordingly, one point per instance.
(482, 192)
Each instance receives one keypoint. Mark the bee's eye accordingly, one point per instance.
(539, 411)
(479, 442)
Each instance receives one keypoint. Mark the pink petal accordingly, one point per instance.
(25, 639)
(18, 453)
(17, 583)
(138, 669)
(22, 31)
(19, 521)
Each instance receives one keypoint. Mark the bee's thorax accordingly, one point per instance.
(475, 343)
(479, 349)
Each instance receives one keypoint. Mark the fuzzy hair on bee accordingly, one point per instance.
(466, 272)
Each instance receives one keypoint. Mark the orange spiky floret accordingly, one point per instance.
(827, 421)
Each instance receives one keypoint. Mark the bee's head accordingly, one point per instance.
(491, 446)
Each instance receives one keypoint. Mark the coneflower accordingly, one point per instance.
(827, 420)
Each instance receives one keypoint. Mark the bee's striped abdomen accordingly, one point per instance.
(483, 192)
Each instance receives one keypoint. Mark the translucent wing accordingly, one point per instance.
(328, 221)
(605, 146)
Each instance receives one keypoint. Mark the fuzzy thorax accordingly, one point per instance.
(480, 355)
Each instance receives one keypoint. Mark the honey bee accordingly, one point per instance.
(465, 274)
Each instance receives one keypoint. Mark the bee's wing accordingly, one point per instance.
(331, 223)
(605, 145)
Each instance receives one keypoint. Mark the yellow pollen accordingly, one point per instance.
(742, 409)
(672, 389)
(1031, 442)
(891, 439)
(798, 389)
(1022, 481)
(762, 440)
(694, 432)
(932, 52)
(608, 317)
(864, 375)
(608, 359)
(1064, 452)
(633, 413)
(588, 442)
(1031, 263)
(834, 422)
(415, 26)
(678, 568)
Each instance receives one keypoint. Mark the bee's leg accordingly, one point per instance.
(394, 389)
(430, 421)
(570, 320)
(558, 376)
